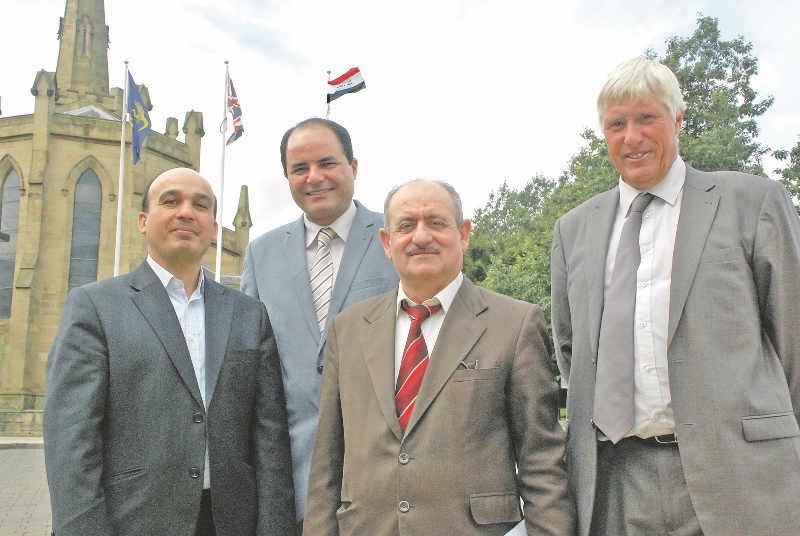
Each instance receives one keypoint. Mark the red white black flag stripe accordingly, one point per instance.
(349, 82)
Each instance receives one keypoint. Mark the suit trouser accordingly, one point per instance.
(205, 521)
(641, 491)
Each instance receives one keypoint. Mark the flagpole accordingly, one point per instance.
(223, 128)
(121, 188)
(328, 115)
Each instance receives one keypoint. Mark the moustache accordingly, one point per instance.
(427, 248)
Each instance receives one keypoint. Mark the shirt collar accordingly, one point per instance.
(341, 226)
(165, 277)
(668, 189)
(445, 296)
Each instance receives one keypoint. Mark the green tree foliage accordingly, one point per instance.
(790, 175)
(510, 245)
(512, 234)
(720, 128)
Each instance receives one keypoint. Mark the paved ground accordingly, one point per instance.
(24, 499)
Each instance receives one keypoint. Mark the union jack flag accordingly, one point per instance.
(236, 112)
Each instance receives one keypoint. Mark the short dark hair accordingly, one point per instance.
(340, 132)
(146, 203)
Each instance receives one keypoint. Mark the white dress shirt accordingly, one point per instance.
(341, 227)
(653, 413)
(191, 313)
(430, 326)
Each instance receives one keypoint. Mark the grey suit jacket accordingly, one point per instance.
(478, 439)
(733, 347)
(125, 428)
(276, 272)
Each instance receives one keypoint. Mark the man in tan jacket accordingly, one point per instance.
(438, 404)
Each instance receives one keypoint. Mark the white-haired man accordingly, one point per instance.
(678, 334)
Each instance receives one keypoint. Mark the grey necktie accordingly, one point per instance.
(613, 394)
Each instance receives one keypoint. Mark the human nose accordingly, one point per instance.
(633, 133)
(185, 211)
(315, 175)
(422, 235)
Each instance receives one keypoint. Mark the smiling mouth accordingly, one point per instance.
(319, 192)
(636, 156)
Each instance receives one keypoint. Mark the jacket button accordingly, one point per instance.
(198, 417)
(195, 472)
(404, 506)
(319, 369)
(403, 458)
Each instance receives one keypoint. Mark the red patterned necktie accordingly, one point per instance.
(415, 361)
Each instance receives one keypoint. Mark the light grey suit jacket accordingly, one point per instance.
(478, 440)
(733, 347)
(125, 429)
(276, 272)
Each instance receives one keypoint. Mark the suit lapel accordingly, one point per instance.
(219, 315)
(598, 234)
(361, 233)
(154, 303)
(378, 335)
(698, 208)
(295, 246)
(460, 331)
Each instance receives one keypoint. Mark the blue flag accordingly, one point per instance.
(139, 118)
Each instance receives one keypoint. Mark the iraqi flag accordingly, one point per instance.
(349, 82)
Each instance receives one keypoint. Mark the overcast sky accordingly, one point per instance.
(473, 92)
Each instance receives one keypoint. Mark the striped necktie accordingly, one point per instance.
(322, 275)
(414, 363)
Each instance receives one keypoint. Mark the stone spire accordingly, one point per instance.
(83, 52)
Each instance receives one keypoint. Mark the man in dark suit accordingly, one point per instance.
(438, 406)
(165, 410)
(334, 232)
(696, 432)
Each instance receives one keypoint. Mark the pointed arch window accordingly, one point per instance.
(9, 223)
(85, 230)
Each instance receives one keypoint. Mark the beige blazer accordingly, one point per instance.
(454, 470)
(733, 347)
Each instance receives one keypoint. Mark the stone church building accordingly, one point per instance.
(59, 176)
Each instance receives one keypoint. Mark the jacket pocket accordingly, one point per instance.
(241, 355)
(370, 283)
(723, 255)
(124, 475)
(774, 426)
(490, 508)
(470, 375)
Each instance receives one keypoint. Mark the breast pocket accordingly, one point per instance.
(241, 355)
(477, 398)
(366, 284)
(722, 255)
(472, 375)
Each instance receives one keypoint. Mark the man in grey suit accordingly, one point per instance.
(165, 410)
(697, 432)
(279, 267)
